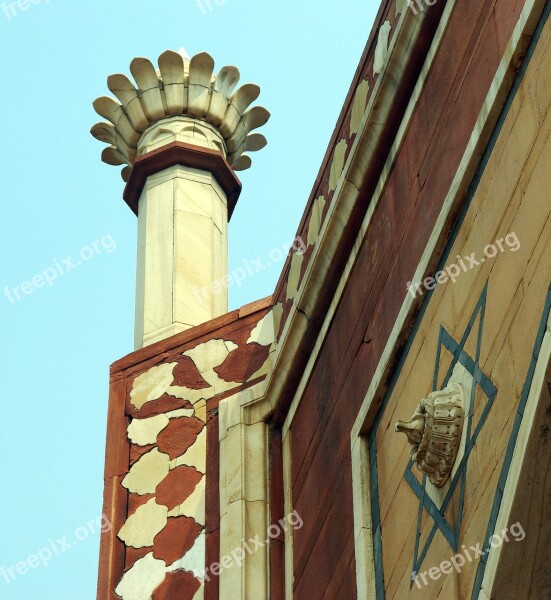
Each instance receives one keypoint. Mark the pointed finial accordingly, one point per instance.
(184, 54)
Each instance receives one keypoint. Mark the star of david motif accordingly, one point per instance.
(446, 343)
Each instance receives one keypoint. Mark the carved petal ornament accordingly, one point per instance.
(181, 86)
(434, 432)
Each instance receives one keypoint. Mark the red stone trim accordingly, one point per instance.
(219, 326)
(212, 524)
(115, 497)
(188, 155)
(277, 513)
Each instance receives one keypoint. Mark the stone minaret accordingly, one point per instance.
(181, 131)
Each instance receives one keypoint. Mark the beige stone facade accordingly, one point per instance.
(423, 288)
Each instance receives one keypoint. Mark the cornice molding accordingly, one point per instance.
(187, 155)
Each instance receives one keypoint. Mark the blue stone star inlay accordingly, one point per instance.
(451, 530)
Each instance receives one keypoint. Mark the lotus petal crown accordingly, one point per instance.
(180, 87)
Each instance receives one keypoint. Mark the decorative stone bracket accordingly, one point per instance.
(434, 432)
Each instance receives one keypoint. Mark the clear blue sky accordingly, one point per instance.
(58, 198)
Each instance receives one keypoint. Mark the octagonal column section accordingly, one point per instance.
(184, 190)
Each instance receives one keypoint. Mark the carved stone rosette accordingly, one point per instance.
(434, 432)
